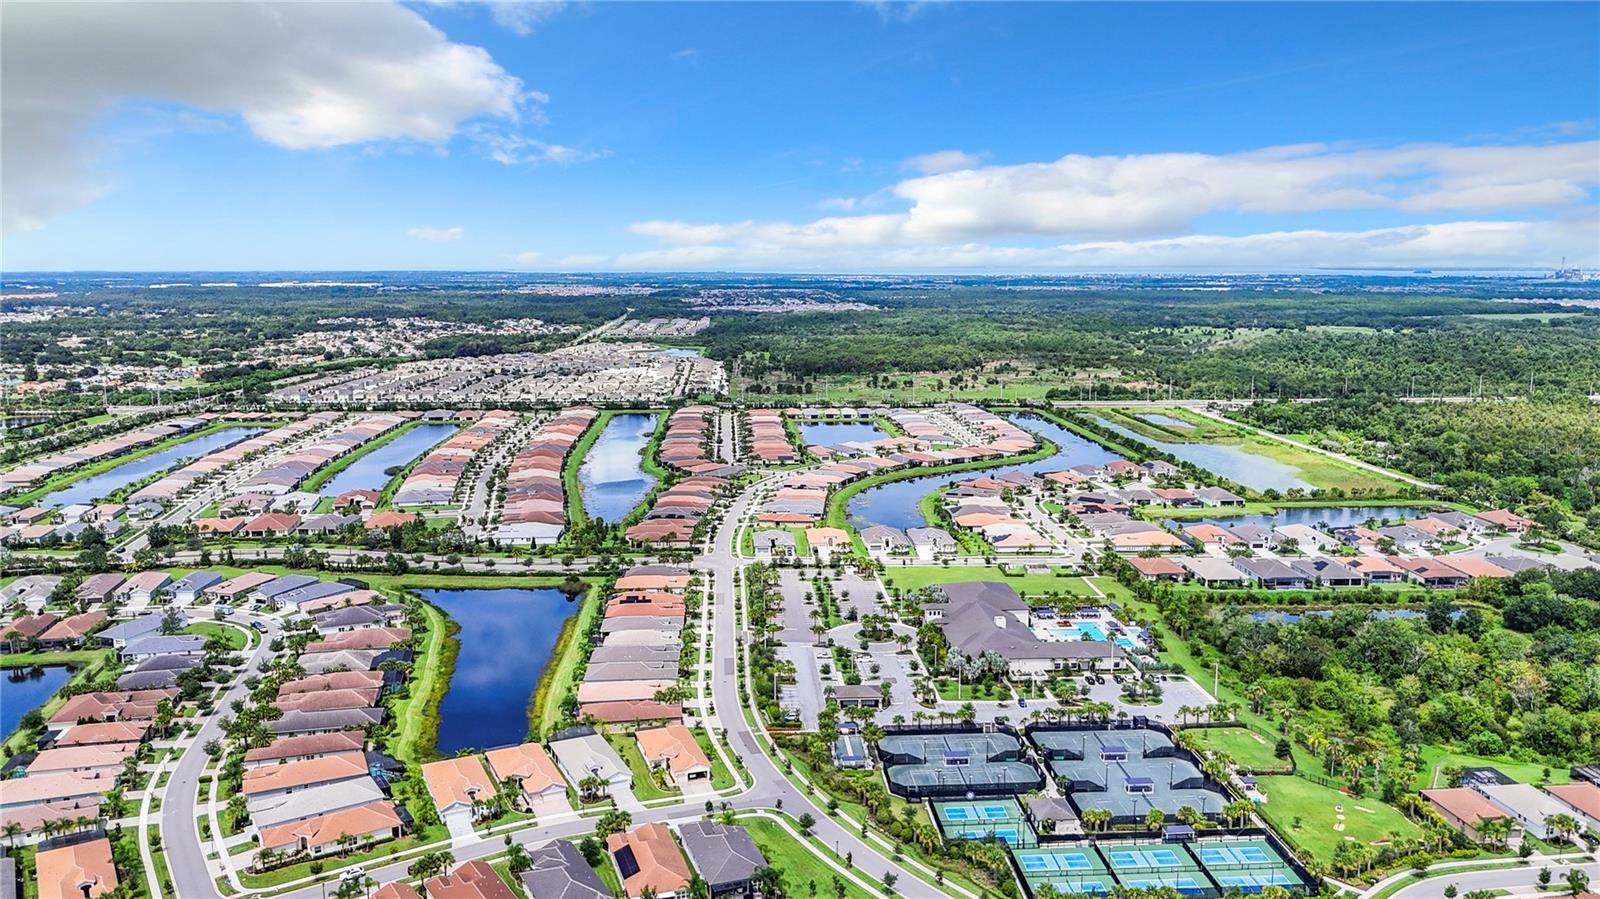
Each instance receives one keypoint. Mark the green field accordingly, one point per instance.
(234, 637)
(1315, 807)
(544, 709)
(1248, 748)
(799, 866)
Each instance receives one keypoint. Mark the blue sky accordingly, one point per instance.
(827, 136)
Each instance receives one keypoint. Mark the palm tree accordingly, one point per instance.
(1096, 818)
(1154, 818)
(1190, 815)
(13, 830)
(1562, 826)
(1238, 810)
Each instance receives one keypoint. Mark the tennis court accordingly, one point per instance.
(996, 810)
(1249, 865)
(984, 818)
(1069, 870)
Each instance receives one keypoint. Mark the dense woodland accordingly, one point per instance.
(1543, 456)
(1500, 669)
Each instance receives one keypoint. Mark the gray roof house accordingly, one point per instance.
(884, 539)
(1329, 572)
(1255, 536)
(120, 635)
(725, 856)
(153, 645)
(589, 754)
(1217, 496)
(189, 587)
(561, 872)
(774, 543)
(931, 542)
(984, 616)
(298, 722)
(1273, 574)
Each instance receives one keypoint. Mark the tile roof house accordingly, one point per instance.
(675, 750)
(369, 823)
(455, 783)
(647, 857)
(1464, 809)
(472, 880)
(530, 768)
(78, 871)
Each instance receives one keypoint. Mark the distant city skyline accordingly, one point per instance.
(778, 137)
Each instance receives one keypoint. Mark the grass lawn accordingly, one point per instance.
(380, 851)
(556, 682)
(426, 674)
(1365, 820)
(1436, 758)
(796, 862)
(1248, 748)
(721, 777)
(950, 689)
(235, 638)
(644, 782)
(571, 486)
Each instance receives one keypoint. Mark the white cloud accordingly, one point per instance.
(437, 235)
(299, 75)
(510, 148)
(941, 161)
(687, 54)
(1451, 244)
(525, 259)
(521, 17)
(582, 261)
(1136, 210)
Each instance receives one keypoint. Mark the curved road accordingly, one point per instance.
(193, 877)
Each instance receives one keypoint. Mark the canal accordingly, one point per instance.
(1329, 516)
(101, 485)
(24, 689)
(612, 478)
(374, 470)
(1232, 462)
(895, 503)
(506, 637)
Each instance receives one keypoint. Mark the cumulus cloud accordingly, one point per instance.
(1140, 210)
(437, 235)
(299, 75)
(1460, 244)
(525, 259)
(941, 161)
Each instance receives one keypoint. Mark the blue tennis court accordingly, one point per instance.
(1181, 884)
(1143, 858)
(1254, 883)
(1045, 861)
(973, 812)
(1008, 834)
(1217, 856)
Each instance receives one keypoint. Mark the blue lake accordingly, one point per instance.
(612, 479)
(110, 481)
(24, 689)
(370, 471)
(1231, 462)
(895, 503)
(506, 638)
(829, 432)
(1332, 516)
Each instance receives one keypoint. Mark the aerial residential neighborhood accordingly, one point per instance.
(799, 450)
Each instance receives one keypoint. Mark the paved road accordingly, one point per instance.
(1519, 880)
(180, 839)
(193, 876)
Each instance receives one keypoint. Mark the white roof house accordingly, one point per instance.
(590, 755)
